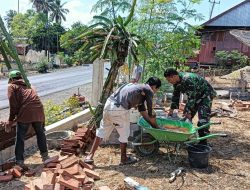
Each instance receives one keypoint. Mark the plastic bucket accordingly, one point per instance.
(198, 155)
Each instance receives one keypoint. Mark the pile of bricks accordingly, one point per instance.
(63, 174)
(241, 105)
(8, 139)
(78, 143)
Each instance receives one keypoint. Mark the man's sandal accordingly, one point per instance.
(130, 160)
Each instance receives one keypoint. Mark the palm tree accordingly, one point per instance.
(109, 39)
(58, 12)
(109, 8)
(43, 6)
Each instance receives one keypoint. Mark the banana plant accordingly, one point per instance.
(109, 38)
(7, 48)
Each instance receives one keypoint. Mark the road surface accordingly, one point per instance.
(53, 82)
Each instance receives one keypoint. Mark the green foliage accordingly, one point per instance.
(68, 60)
(42, 66)
(67, 41)
(58, 12)
(233, 59)
(55, 112)
(172, 39)
(110, 8)
(79, 58)
(8, 47)
(9, 17)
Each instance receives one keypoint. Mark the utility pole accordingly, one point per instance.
(213, 4)
(18, 7)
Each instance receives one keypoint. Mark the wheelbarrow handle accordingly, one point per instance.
(207, 125)
(210, 136)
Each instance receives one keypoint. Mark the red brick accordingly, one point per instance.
(6, 178)
(16, 173)
(84, 165)
(18, 168)
(48, 177)
(59, 187)
(30, 173)
(48, 187)
(104, 188)
(91, 173)
(82, 130)
(69, 161)
(66, 154)
(51, 165)
(62, 158)
(80, 177)
(70, 142)
(73, 170)
(7, 165)
(71, 150)
(88, 180)
(69, 182)
(78, 138)
(52, 159)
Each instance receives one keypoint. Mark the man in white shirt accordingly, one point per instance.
(137, 72)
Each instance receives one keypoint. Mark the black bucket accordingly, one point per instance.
(198, 155)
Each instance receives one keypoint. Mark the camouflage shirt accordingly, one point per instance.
(195, 87)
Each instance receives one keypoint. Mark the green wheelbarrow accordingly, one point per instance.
(148, 142)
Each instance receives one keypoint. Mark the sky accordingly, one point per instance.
(80, 10)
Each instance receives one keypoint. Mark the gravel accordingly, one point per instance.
(58, 98)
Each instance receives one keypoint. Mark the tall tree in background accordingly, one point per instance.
(58, 12)
(110, 8)
(9, 17)
(43, 6)
(165, 23)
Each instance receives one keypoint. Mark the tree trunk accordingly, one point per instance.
(106, 92)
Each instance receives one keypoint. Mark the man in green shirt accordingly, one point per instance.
(200, 96)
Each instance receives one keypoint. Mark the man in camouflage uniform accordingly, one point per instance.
(200, 96)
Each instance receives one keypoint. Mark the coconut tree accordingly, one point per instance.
(7, 48)
(109, 39)
(58, 12)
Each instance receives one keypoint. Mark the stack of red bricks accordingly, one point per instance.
(66, 173)
(9, 171)
(8, 139)
(78, 143)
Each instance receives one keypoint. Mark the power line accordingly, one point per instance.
(213, 4)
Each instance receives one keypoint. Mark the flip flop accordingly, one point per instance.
(89, 161)
(130, 160)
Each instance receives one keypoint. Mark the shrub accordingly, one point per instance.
(42, 66)
(54, 112)
(233, 59)
(68, 60)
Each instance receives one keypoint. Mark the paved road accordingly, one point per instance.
(53, 82)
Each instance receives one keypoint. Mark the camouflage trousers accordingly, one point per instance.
(203, 107)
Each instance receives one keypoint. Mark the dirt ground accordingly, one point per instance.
(229, 163)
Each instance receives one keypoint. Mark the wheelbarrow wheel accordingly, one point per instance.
(147, 149)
